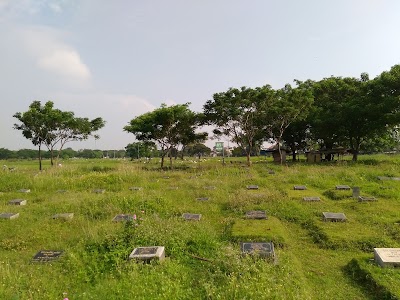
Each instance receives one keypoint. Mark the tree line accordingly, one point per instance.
(353, 113)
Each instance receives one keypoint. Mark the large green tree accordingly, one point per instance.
(141, 149)
(239, 114)
(45, 125)
(168, 126)
(289, 105)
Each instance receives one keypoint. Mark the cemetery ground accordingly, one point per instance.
(314, 259)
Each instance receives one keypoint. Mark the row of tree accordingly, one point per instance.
(334, 112)
(66, 154)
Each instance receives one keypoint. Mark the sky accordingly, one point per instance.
(122, 58)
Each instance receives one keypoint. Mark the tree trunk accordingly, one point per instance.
(248, 159)
(51, 157)
(280, 151)
(294, 155)
(355, 155)
(40, 158)
(162, 160)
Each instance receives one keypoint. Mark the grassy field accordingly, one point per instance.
(314, 259)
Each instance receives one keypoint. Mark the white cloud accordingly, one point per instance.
(51, 54)
(65, 62)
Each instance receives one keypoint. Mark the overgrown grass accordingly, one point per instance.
(315, 259)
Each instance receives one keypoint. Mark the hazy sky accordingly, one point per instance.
(119, 59)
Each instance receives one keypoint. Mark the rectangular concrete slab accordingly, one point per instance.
(387, 257)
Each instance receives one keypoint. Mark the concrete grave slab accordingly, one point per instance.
(135, 188)
(311, 199)
(388, 178)
(148, 253)
(202, 198)
(123, 218)
(366, 199)
(17, 202)
(47, 255)
(189, 217)
(24, 190)
(99, 191)
(259, 249)
(299, 187)
(210, 187)
(343, 187)
(252, 187)
(9, 216)
(256, 214)
(334, 217)
(387, 257)
(64, 216)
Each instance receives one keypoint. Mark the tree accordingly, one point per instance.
(296, 136)
(35, 124)
(141, 149)
(45, 125)
(289, 105)
(197, 149)
(168, 126)
(239, 114)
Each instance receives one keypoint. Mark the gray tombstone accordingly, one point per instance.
(366, 199)
(148, 253)
(9, 216)
(165, 177)
(173, 188)
(24, 190)
(202, 198)
(311, 199)
(47, 255)
(272, 172)
(209, 187)
(64, 216)
(334, 217)
(299, 187)
(356, 192)
(256, 214)
(252, 187)
(189, 217)
(388, 178)
(123, 218)
(17, 202)
(343, 187)
(265, 250)
(99, 191)
(387, 257)
(135, 188)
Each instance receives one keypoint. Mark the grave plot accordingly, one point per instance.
(211, 187)
(333, 217)
(311, 199)
(47, 255)
(342, 188)
(387, 257)
(338, 194)
(366, 199)
(135, 188)
(299, 187)
(24, 191)
(99, 191)
(388, 178)
(202, 198)
(259, 230)
(124, 218)
(9, 216)
(17, 202)
(64, 216)
(260, 249)
(256, 214)
(252, 187)
(148, 253)
(189, 217)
